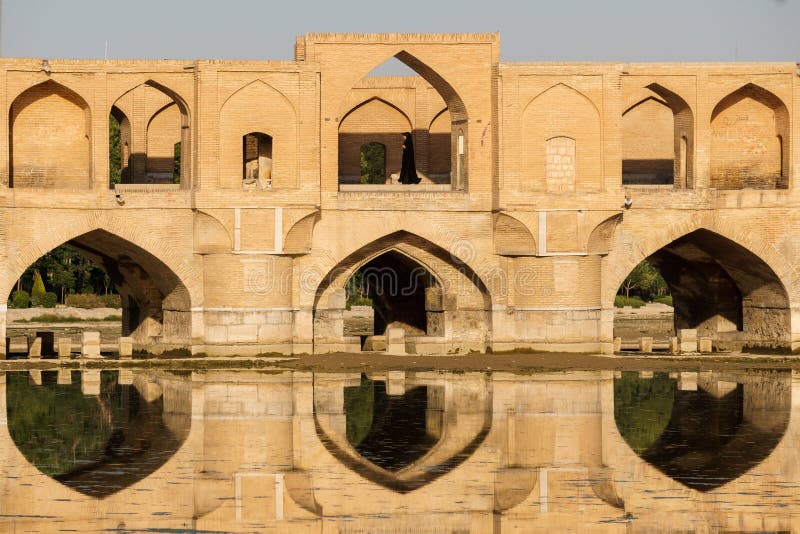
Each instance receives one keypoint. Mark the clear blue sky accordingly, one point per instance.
(531, 30)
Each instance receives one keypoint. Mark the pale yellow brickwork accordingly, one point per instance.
(520, 219)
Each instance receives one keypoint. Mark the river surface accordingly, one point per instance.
(140, 450)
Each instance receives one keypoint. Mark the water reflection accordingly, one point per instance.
(284, 451)
(95, 443)
(392, 431)
(703, 435)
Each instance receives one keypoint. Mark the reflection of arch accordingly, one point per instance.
(562, 112)
(512, 237)
(751, 413)
(156, 298)
(50, 138)
(465, 422)
(258, 107)
(744, 152)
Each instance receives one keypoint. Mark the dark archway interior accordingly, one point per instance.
(397, 286)
(724, 291)
(155, 303)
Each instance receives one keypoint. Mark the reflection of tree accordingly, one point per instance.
(56, 427)
(642, 408)
(358, 405)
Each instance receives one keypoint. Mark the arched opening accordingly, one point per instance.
(657, 133)
(407, 285)
(400, 293)
(100, 270)
(439, 158)
(152, 135)
(716, 287)
(434, 115)
(378, 122)
(50, 139)
(119, 141)
(744, 151)
(703, 429)
(94, 431)
(257, 160)
(373, 163)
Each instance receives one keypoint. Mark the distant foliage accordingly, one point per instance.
(85, 300)
(114, 151)
(644, 282)
(48, 300)
(20, 299)
(642, 408)
(38, 291)
(373, 163)
(112, 300)
(64, 271)
(620, 301)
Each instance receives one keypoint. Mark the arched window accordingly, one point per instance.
(257, 160)
(560, 164)
(373, 163)
(460, 160)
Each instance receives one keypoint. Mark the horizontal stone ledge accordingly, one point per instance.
(398, 188)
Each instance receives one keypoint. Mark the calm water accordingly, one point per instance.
(247, 451)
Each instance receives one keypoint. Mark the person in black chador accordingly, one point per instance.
(408, 171)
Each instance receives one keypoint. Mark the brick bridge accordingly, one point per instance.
(241, 212)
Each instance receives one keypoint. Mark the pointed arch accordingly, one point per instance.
(459, 135)
(379, 99)
(562, 112)
(602, 237)
(750, 140)
(373, 121)
(258, 107)
(165, 131)
(50, 143)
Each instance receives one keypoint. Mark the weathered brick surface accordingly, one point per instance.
(521, 223)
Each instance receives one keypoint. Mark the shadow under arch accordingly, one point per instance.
(462, 298)
(721, 288)
(462, 427)
(702, 433)
(156, 303)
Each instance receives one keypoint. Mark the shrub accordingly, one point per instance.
(621, 301)
(48, 300)
(667, 299)
(84, 300)
(111, 300)
(20, 299)
(38, 291)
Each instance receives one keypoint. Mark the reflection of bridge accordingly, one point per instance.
(519, 221)
(548, 455)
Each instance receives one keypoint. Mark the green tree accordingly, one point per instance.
(373, 163)
(38, 291)
(645, 281)
(114, 151)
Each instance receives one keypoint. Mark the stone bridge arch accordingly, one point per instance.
(457, 303)
(754, 293)
(159, 285)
